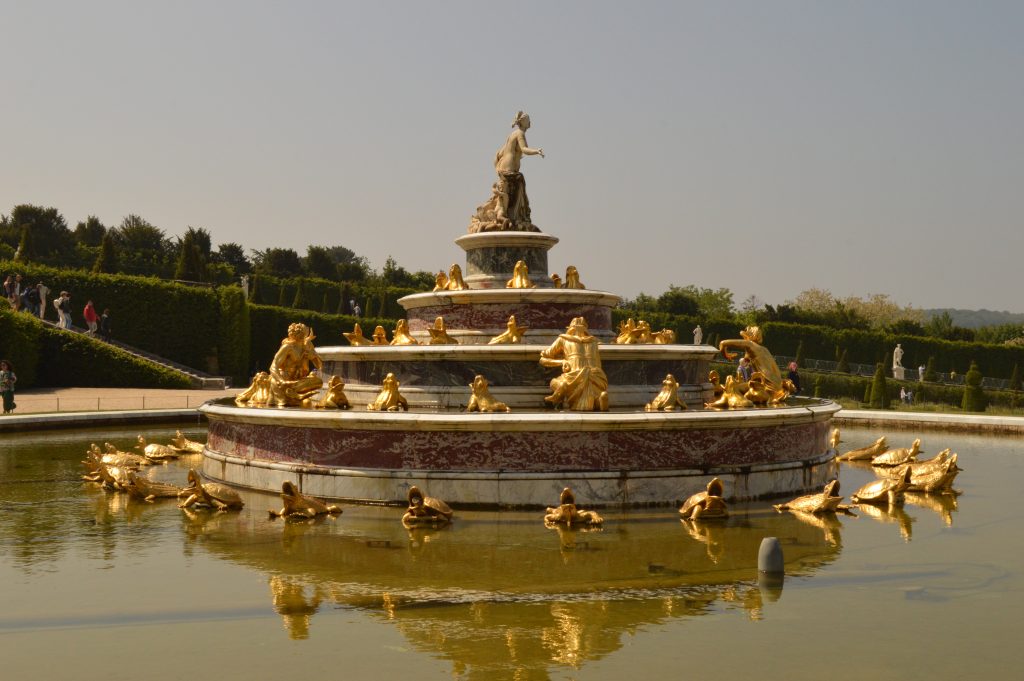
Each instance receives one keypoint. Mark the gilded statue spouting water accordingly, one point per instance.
(865, 453)
(441, 281)
(583, 385)
(568, 514)
(520, 277)
(668, 399)
(356, 337)
(389, 398)
(401, 335)
(439, 333)
(481, 399)
(290, 382)
(209, 495)
(513, 333)
(706, 505)
(716, 384)
(508, 208)
(183, 445)
(334, 397)
(380, 336)
(455, 282)
(732, 396)
(761, 360)
(298, 505)
(424, 510)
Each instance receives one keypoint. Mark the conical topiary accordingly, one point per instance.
(929, 371)
(325, 306)
(282, 297)
(867, 394)
(817, 386)
(301, 300)
(844, 365)
(879, 390)
(1015, 378)
(799, 359)
(974, 394)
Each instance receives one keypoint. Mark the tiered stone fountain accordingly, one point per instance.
(624, 456)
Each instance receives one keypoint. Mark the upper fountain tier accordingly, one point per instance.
(480, 312)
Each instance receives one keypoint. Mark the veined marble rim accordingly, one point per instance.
(470, 242)
(526, 351)
(507, 296)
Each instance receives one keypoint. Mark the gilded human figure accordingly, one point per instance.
(761, 360)
(508, 208)
(292, 379)
(583, 385)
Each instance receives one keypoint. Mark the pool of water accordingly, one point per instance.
(95, 585)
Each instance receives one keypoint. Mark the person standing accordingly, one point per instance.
(744, 371)
(7, 381)
(63, 305)
(91, 318)
(33, 300)
(794, 376)
(105, 325)
(44, 294)
(356, 310)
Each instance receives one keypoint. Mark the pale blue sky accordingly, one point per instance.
(768, 147)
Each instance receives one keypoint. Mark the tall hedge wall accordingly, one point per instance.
(328, 297)
(44, 356)
(269, 325)
(234, 339)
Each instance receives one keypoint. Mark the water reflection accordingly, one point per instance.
(891, 514)
(944, 505)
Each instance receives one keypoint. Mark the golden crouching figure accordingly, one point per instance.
(356, 337)
(572, 278)
(715, 382)
(520, 277)
(439, 333)
(668, 398)
(380, 336)
(626, 330)
(389, 398)
(706, 505)
(455, 282)
(513, 333)
(334, 397)
(183, 445)
(298, 505)
(441, 281)
(292, 382)
(556, 280)
(209, 495)
(761, 360)
(934, 476)
(481, 400)
(865, 453)
(731, 397)
(757, 390)
(568, 514)
(828, 501)
(640, 333)
(424, 510)
(583, 385)
(401, 334)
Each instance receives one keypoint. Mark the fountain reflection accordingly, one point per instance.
(944, 505)
(891, 514)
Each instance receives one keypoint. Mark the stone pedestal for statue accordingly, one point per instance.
(898, 373)
(491, 257)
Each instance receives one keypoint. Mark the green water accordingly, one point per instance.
(93, 585)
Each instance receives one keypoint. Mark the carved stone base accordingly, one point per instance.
(491, 256)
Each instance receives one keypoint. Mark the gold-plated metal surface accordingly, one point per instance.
(213, 495)
(626, 330)
(898, 457)
(155, 452)
(513, 333)
(401, 334)
(356, 337)
(441, 281)
(455, 281)
(298, 505)
(833, 440)
(141, 487)
(732, 396)
(715, 382)
(640, 333)
(439, 333)
(290, 382)
(183, 445)
(885, 491)
(380, 336)
(568, 514)
(827, 501)
(757, 390)
(556, 280)
(520, 277)
(425, 511)
(706, 505)
(583, 385)
(865, 453)
(508, 208)
(761, 360)
(389, 398)
(668, 399)
(334, 397)
(664, 337)
(572, 278)
(481, 399)
(932, 476)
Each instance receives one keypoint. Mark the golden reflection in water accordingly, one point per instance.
(827, 522)
(890, 514)
(293, 605)
(709, 533)
(944, 505)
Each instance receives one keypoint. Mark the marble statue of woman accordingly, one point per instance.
(508, 209)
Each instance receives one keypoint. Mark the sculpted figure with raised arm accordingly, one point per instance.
(508, 208)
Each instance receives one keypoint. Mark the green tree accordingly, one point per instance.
(106, 262)
(52, 241)
(90, 232)
(26, 249)
(817, 386)
(232, 254)
(867, 394)
(301, 300)
(676, 301)
(879, 389)
(799, 359)
(278, 262)
(974, 395)
(191, 262)
(929, 371)
(143, 247)
(711, 303)
(320, 264)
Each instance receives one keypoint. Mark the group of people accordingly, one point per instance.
(33, 300)
(906, 396)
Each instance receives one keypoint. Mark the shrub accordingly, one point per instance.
(879, 392)
(19, 343)
(974, 396)
(234, 339)
(844, 364)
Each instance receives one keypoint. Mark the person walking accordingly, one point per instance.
(44, 296)
(63, 305)
(91, 318)
(32, 300)
(105, 325)
(7, 381)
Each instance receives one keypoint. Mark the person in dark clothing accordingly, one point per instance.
(105, 325)
(794, 376)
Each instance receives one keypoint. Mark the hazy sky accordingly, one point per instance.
(768, 147)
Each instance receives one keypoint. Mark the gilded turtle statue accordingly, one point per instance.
(898, 457)
(141, 487)
(826, 501)
(209, 495)
(298, 505)
(933, 478)
(126, 458)
(706, 505)
(424, 510)
(865, 453)
(155, 452)
(568, 514)
(183, 445)
(884, 491)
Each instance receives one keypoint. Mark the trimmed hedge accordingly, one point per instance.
(234, 335)
(269, 324)
(60, 358)
(314, 294)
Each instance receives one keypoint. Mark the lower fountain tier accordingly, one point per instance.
(439, 375)
(476, 316)
(498, 460)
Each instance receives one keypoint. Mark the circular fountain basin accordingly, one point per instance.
(522, 459)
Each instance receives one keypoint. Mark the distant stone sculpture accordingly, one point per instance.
(698, 335)
(898, 372)
(583, 385)
(290, 382)
(508, 208)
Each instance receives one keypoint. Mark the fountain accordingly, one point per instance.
(622, 423)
